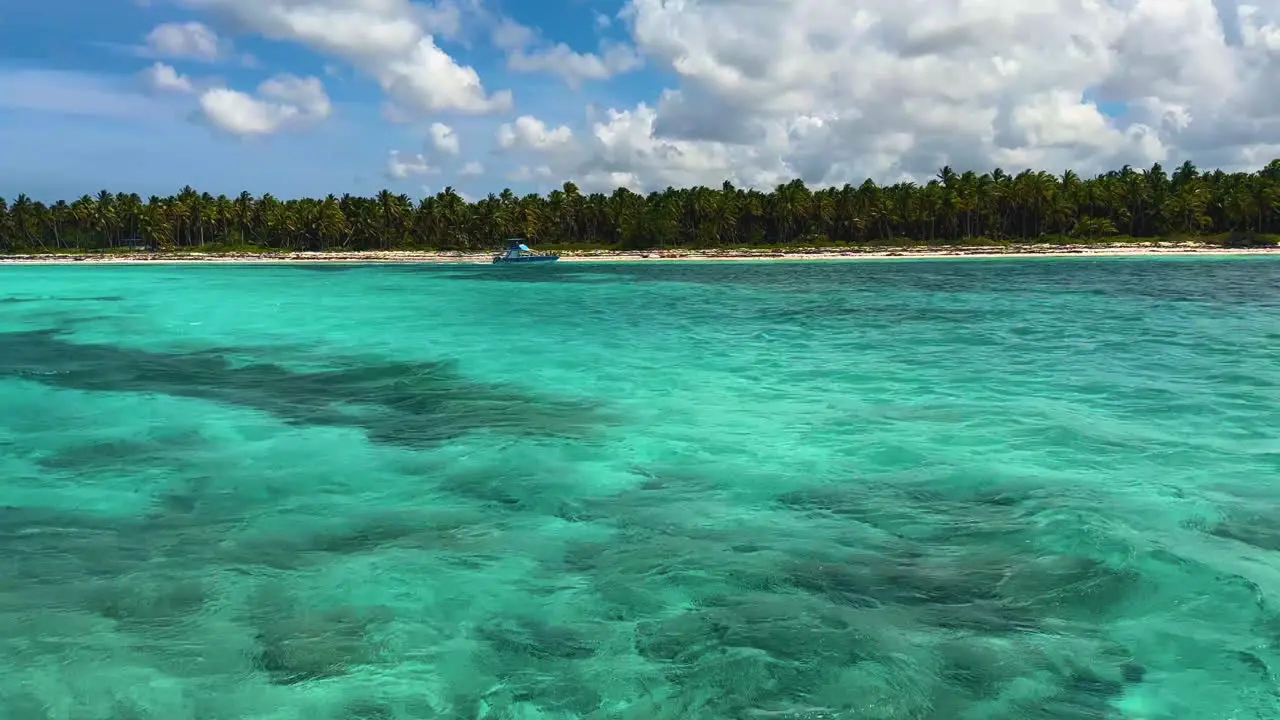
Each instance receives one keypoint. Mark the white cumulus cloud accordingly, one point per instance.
(186, 40)
(762, 91)
(164, 78)
(528, 132)
(282, 102)
(400, 167)
(526, 52)
(392, 41)
(832, 92)
(524, 173)
(445, 139)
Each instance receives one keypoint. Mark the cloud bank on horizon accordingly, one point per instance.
(301, 97)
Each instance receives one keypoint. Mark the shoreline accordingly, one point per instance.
(723, 255)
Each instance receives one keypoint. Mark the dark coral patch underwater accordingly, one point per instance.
(415, 404)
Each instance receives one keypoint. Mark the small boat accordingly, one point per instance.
(518, 252)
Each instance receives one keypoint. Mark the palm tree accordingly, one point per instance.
(955, 206)
(7, 232)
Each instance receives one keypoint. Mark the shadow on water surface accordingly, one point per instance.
(772, 275)
(404, 403)
(19, 300)
(116, 454)
(803, 613)
(514, 592)
(867, 600)
(1227, 281)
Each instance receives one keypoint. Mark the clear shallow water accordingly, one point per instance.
(903, 490)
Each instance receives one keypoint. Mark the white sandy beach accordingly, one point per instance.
(394, 256)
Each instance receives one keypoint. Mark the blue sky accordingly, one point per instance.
(291, 96)
(76, 118)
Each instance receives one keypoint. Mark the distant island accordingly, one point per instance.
(987, 212)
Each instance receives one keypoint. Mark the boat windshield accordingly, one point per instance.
(515, 249)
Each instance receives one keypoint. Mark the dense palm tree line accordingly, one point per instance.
(953, 207)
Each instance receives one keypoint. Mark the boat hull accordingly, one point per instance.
(529, 259)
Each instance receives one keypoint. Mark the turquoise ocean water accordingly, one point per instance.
(924, 490)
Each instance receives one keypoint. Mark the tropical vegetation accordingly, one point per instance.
(968, 207)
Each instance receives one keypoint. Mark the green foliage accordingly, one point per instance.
(1249, 240)
(953, 209)
(1093, 228)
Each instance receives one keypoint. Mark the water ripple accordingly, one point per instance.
(803, 491)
